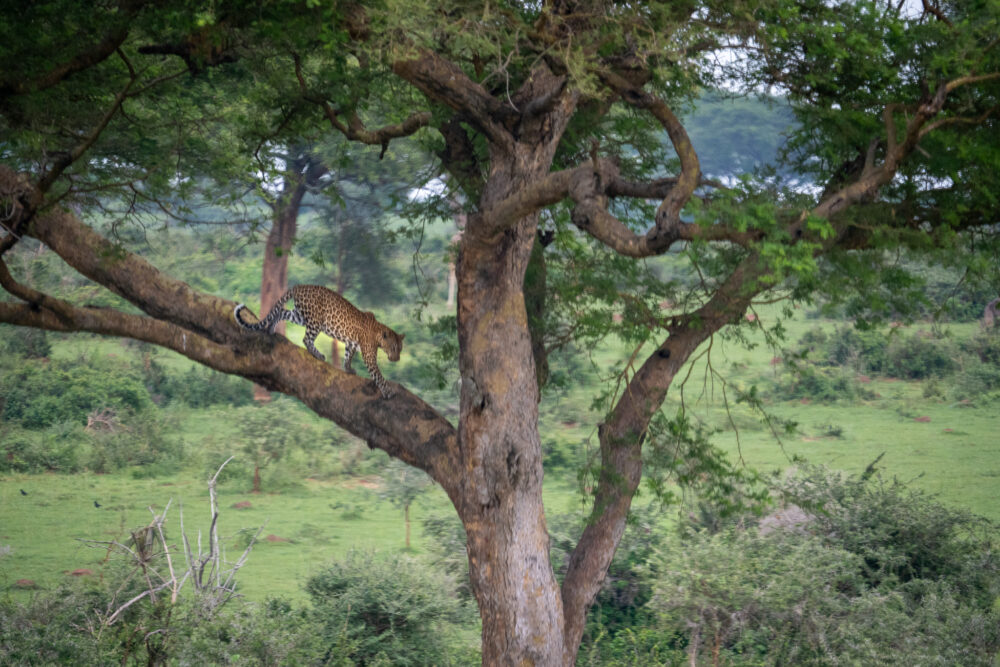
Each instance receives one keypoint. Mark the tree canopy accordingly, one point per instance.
(556, 126)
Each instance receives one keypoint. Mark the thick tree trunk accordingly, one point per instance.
(501, 492)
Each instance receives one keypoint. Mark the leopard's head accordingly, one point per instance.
(392, 343)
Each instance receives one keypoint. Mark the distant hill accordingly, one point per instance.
(736, 136)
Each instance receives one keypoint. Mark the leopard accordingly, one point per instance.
(319, 308)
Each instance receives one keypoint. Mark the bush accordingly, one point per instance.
(804, 380)
(61, 627)
(202, 387)
(55, 449)
(917, 357)
(862, 350)
(24, 342)
(900, 534)
(913, 357)
(985, 346)
(783, 598)
(39, 394)
(876, 574)
(136, 440)
(388, 610)
(979, 383)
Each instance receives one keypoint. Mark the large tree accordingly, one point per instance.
(544, 114)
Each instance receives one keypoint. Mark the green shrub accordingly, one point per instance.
(978, 382)
(136, 440)
(862, 350)
(388, 610)
(51, 628)
(784, 598)
(62, 627)
(197, 387)
(804, 380)
(985, 346)
(900, 534)
(917, 357)
(39, 394)
(876, 574)
(55, 449)
(24, 342)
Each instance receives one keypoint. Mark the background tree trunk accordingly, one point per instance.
(302, 173)
(274, 268)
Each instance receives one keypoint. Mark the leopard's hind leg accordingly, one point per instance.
(309, 340)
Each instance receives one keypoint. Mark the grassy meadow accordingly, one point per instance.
(923, 396)
(316, 507)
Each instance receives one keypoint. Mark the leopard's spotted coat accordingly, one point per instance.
(320, 309)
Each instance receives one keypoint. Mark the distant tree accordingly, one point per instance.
(546, 119)
(302, 172)
(403, 484)
(268, 433)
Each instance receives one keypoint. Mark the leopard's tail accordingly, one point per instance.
(277, 312)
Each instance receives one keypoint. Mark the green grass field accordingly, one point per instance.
(951, 449)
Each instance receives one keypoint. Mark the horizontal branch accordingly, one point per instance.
(405, 427)
(590, 185)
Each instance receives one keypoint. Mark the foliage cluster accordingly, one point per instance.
(389, 610)
(870, 572)
(368, 609)
(824, 366)
(96, 412)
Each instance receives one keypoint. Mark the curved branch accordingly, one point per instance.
(589, 186)
(444, 82)
(668, 214)
(622, 436)
(68, 158)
